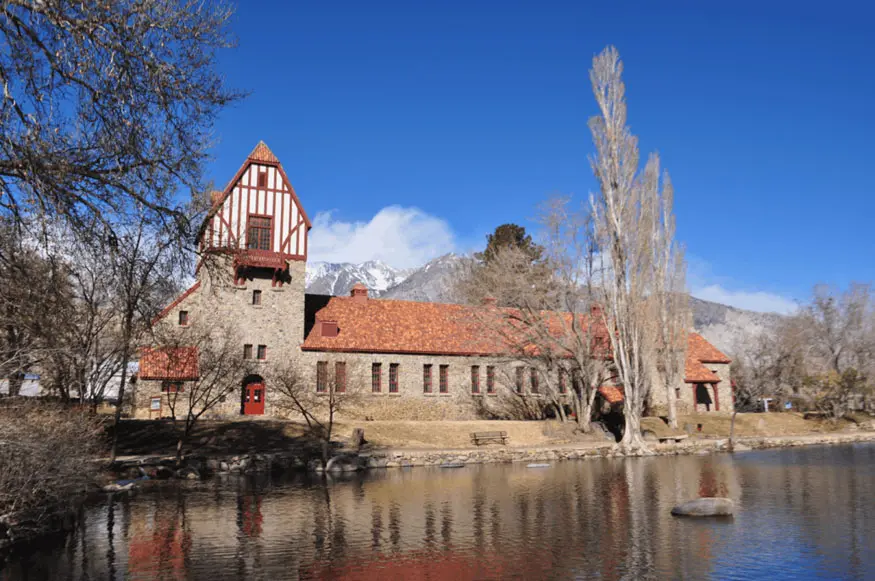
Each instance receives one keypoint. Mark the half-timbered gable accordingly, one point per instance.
(258, 213)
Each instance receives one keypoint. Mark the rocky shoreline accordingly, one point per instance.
(349, 461)
(410, 458)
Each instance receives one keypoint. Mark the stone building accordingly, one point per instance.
(401, 359)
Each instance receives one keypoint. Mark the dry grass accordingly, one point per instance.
(457, 434)
(716, 424)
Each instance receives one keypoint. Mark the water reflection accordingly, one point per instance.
(804, 514)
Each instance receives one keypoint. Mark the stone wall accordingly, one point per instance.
(277, 323)
(411, 402)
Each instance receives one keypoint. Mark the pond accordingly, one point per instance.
(804, 513)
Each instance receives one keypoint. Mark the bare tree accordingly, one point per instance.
(545, 327)
(203, 364)
(35, 294)
(627, 217)
(146, 261)
(837, 325)
(107, 107)
(319, 398)
(672, 319)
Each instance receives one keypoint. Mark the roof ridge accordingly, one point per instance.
(263, 154)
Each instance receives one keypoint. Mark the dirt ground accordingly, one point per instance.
(145, 437)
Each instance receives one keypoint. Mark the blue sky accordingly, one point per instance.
(409, 129)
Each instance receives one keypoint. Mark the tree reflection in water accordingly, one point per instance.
(802, 511)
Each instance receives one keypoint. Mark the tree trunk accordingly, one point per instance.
(632, 439)
(16, 380)
(560, 411)
(671, 403)
(121, 397)
(732, 431)
(189, 424)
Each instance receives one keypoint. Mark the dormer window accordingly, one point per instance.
(262, 179)
(183, 318)
(258, 232)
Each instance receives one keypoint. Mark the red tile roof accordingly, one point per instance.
(695, 372)
(176, 363)
(263, 154)
(702, 350)
(612, 393)
(391, 326)
(387, 326)
(176, 302)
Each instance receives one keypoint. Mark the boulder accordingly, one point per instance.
(649, 436)
(707, 506)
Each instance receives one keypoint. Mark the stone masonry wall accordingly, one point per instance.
(278, 323)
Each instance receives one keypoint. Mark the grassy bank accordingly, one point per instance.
(157, 438)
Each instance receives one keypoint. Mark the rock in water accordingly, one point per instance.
(705, 507)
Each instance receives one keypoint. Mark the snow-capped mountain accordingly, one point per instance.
(330, 278)
(722, 325)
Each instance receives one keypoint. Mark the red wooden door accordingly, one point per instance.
(253, 399)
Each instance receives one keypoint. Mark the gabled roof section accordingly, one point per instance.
(695, 372)
(700, 349)
(261, 155)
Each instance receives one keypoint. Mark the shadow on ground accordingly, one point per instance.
(159, 437)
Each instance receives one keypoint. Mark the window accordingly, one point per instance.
(393, 378)
(262, 179)
(490, 379)
(340, 377)
(256, 297)
(426, 378)
(172, 387)
(376, 377)
(321, 376)
(563, 381)
(258, 233)
(183, 318)
(445, 379)
(247, 351)
(475, 379)
(534, 380)
(262, 352)
(519, 379)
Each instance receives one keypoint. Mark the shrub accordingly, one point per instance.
(47, 460)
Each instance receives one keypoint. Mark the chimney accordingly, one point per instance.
(359, 292)
(490, 301)
(328, 328)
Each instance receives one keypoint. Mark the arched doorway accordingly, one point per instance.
(252, 396)
(702, 396)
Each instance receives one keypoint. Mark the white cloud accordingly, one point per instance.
(400, 237)
(751, 300)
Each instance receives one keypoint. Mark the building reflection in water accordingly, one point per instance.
(601, 518)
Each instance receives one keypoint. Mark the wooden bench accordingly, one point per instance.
(488, 437)
(675, 438)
